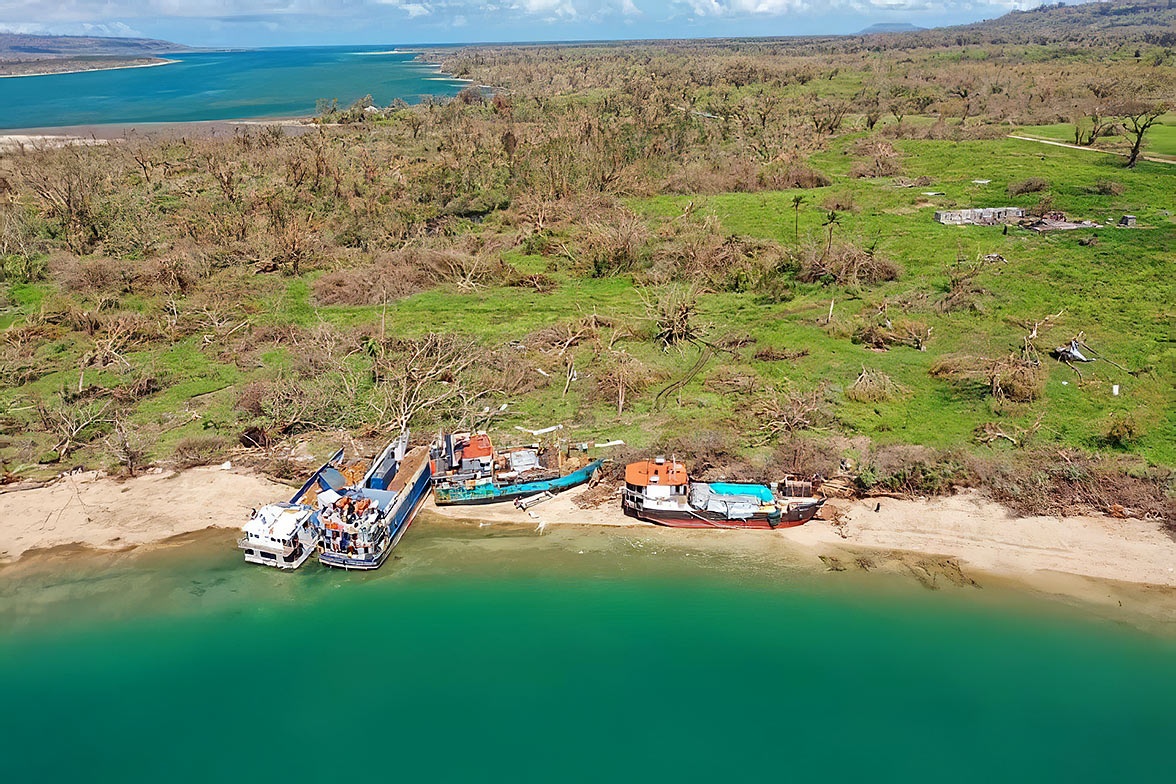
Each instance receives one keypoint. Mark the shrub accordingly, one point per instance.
(839, 202)
(845, 264)
(795, 175)
(615, 247)
(673, 314)
(1016, 379)
(1031, 185)
(1109, 188)
(129, 447)
(89, 275)
(875, 167)
(882, 160)
(910, 470)
(1122, 429)
(872, 386)
(900, 332)
(200, 450)
(22, 268)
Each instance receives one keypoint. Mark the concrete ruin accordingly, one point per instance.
(984, 216)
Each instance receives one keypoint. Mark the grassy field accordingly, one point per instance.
(1161, 139)
(723, 249)
(1117, 290)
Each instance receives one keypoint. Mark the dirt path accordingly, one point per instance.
(1039, 140)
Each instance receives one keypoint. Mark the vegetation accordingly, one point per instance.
(723, 247)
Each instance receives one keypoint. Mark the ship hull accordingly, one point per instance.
(496, 494)
(694, 518)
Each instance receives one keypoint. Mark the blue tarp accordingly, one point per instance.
(763, 493)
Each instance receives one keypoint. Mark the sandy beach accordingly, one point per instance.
(87, 70)
(102, 512)
(61, 136)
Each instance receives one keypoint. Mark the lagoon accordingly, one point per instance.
(262, 83)
(499, 655)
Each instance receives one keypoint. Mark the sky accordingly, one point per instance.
(238, 23)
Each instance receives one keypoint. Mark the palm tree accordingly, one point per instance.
(833, 219)
(797, 200)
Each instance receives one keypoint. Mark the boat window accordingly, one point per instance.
(333, 478)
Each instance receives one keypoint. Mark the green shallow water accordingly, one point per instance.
(580, 656)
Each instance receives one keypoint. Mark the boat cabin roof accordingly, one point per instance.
(656, 472)
(278, 521)
(479, 446)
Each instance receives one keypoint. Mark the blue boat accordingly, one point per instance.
(467, 469)
(360, 523)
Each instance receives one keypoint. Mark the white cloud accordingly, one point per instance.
(22, 28)
(119, 17)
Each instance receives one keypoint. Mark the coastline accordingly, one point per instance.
(87, 70)
(56, 136)
(962, 540)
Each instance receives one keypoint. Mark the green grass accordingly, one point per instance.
(1160, 140)
(1118, 291)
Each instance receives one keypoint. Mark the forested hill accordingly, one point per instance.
(1115, 21)
(16, 45)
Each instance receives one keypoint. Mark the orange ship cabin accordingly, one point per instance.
(657, 479)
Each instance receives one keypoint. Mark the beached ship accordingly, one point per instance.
(467, 469)
(351, 516)
(359, 523)
(660, 491)
(281, 535)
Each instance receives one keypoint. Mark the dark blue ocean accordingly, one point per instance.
(220, 86)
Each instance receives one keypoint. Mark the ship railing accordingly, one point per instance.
(633, 496)
(245, 543)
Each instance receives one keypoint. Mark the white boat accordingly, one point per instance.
(282, 535)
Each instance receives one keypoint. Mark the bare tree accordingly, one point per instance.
(74, 424)
(413, 377)
(1138, 116)
(129, 446)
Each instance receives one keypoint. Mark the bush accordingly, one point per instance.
(200, 450)
(795, 175)
(1031, 185)
(875, 167)
(910, 470)
(845, 264)
(1016, 379)
(839, 202)
(1122, 429)
(872, 386)
(21, 268)
(1109, 188)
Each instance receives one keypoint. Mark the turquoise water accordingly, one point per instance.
(219, 86)
(484, 656)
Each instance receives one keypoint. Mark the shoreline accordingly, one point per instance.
(961, 540)
(88, 70)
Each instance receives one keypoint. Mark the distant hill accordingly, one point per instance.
(21, 46)
(1113, 21)
(891, 27)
